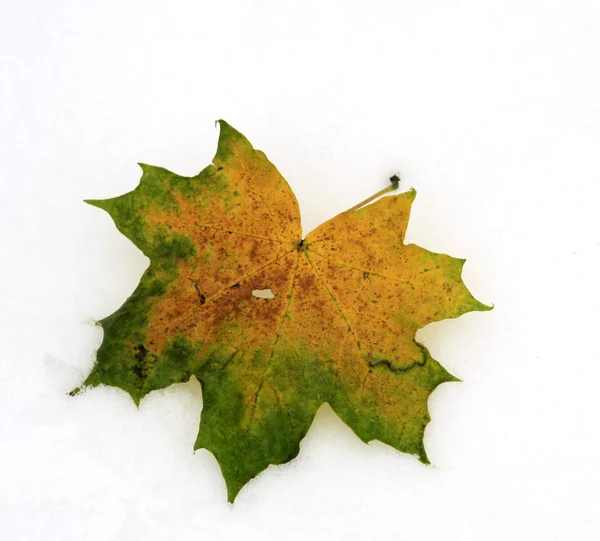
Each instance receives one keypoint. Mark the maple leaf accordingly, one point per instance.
(339, 326)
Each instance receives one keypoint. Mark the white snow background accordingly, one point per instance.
(491, 110)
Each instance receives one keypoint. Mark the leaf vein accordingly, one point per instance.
(227, 288)
(336, 302)
(277, 336)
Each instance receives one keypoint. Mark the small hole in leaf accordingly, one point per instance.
(263, 294)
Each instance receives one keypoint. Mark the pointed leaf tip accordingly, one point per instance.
(224, 125)
(95, 202)
(410, 194)
(485, 307)
(74, 392)
(227, 129)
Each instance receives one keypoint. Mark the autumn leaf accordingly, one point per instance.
(335, 322)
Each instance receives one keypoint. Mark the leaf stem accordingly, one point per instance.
(395, 181)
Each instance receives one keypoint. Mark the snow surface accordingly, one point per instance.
(490, 110)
